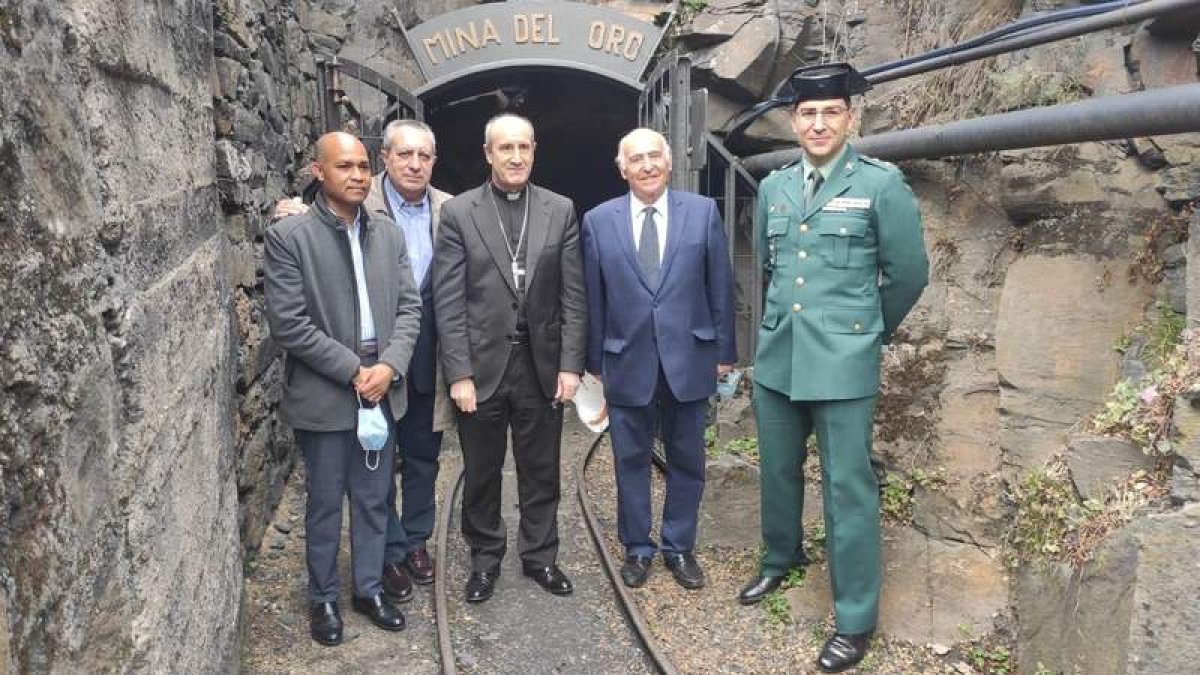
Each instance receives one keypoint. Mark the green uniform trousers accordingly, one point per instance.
(849, 490)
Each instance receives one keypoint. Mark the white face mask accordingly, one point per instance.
(372, 432)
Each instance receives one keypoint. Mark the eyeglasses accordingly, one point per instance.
(811, 115)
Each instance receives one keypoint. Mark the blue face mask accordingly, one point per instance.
(372, 432)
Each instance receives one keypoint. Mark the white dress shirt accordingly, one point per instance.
(366, 324)
(637, 210)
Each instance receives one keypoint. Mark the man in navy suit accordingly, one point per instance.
(660, 331)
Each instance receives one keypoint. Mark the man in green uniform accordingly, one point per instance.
(840, 240)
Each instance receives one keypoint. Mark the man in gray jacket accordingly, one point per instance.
(343, 307)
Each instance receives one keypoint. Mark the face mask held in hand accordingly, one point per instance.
(372, 432)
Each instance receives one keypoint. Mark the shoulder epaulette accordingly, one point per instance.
(875, 161)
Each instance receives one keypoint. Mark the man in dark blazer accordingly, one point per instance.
(660, 331)
(402, 193)
(342, 305)
(511, 317)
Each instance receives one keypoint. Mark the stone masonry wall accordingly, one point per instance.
(118, 530)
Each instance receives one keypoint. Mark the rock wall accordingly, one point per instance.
(118, 532)
(142, 145)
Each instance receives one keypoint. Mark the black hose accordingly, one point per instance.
(1003, 31)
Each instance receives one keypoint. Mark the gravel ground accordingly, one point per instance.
(276, 604)
(707, 631)
(522, 629)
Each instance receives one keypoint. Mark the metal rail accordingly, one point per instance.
(1158, 112)
(441, 610)
(628, 606)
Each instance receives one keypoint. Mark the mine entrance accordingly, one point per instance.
(578, 118)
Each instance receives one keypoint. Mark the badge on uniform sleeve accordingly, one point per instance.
(847, 203)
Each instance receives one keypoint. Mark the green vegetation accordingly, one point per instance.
(896, 491)
(1142, 411)
(992, 661)
(745, 447)
(814, 537)
(1027, 87)
(775, 606)
(795, 578)
(1046, 507)
(1051, 523)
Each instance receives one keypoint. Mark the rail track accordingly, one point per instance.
(634, 619)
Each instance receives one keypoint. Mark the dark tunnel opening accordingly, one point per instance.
(578, 118)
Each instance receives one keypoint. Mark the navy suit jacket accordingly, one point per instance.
(685, 326)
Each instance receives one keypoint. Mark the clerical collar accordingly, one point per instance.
(510, 196)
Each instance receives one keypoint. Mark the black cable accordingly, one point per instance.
(1004, 31)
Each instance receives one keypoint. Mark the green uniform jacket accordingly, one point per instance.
(843, 273)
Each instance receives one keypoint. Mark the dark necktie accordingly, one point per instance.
(812, 186)
(648, 248)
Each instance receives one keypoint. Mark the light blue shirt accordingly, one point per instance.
(366, 324)
(414, 221)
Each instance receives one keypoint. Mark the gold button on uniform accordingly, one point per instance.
(842, 231)
(797, 307)
(804, 227)
(799, 281)
(803, 254)
(858, 326)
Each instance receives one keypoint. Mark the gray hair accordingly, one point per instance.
(503, 117)
(640, 131)
(395, 126)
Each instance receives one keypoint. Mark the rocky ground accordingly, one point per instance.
(707, 631)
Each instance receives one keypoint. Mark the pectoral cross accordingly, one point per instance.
(518, 273)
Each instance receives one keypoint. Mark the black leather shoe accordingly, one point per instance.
(380, 611)
(843, 651)
(686, 570)
(481, 584)
(420, 565)
(759, 588)
(636, 570)
(396, 583)
(550, 578)
(325, 624)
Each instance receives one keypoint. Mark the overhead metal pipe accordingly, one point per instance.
(1158, 112)
(1058, 31)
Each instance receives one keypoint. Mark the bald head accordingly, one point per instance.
(644, 159)
(508, 146)
(335, 141)
(642, 137)
(341, 165)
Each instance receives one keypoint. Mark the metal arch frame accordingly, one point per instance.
(668, 105)
(434, 86)
(401, 104)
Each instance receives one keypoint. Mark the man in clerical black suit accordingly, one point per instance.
(511, 318)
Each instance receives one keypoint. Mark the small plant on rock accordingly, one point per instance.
(993, 660)
(775, 606)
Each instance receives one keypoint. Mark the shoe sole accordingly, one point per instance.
(380, 626)
(417, 578)
(399, 598)
(750, 602)
(326, 643)
(475, 601)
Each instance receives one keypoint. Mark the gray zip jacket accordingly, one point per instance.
(312, 308)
